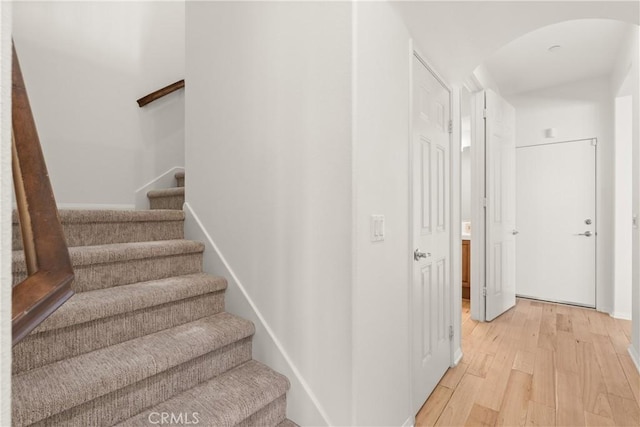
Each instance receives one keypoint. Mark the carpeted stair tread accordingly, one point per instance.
(87, 306)
(82, 216)
(97, 319)
(99, 227)
(226, 400)
(117, 252)
(166, 192)
(45, 391)
(287, 423)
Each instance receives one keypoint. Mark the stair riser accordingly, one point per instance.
(83, 234)
(124, 403)
(271, 415)
(40, 349)
(180, 182)
(173, 202)
(101, 276)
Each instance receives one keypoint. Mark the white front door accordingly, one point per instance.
(557, 222)
(500, 214)
(431, 286)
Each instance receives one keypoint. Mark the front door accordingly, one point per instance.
(557, 222)
(431, 283)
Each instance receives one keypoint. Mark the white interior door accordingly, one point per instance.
(500, 219)
(431, 288)
(556, 210)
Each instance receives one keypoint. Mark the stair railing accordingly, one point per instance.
(160, 93)
(49, 268)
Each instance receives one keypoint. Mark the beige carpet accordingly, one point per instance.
(145, 341)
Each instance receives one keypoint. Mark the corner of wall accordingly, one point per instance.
(303, 406)
(5, 212)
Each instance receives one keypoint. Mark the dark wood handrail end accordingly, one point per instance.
(25, 322)
(160, 93)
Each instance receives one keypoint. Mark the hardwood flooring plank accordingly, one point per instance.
(569, 408)
(566, 359)
(540, 415)
(625, 325)
(459, 407)
(524, 361)
(592, 385)
(530, 334)
(593, 420)
(515, 405)
(631, 373)
(497, 378)
(481, 416)
(614, 377)
(547, 336)
(596, 325)
(454, 375)
(480, 365)
(433, 407)
(563, 322)
(543, 388)
(625, 411)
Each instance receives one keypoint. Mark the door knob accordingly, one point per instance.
(586, 233)
(514, 232)
(417, 254)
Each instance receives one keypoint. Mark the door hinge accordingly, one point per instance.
(450, 332)
(484, 113)
(484, 292)
(450, 126)
(484, 202)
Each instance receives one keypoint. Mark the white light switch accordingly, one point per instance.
(377, 228)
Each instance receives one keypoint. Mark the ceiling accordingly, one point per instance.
(457, 36)
(588, 48)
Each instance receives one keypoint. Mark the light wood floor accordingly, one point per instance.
(539, 364)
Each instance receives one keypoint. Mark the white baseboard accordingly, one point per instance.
(303, 405)
(634, 356)
(166, 180)
(96, 206)
(457, 357)
(621, 315)
(411, 421)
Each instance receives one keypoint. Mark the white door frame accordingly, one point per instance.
(478, 277)
(455, 245)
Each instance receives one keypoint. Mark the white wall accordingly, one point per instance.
(628, 67)
(623, 234)
(381, 359)
(85, 64)
(268, 153)
(578, 110)
(5, 213)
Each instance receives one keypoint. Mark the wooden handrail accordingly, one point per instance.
(49, 268)
(160, 93)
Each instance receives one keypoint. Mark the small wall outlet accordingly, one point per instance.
(377, 228)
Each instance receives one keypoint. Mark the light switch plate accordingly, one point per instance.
(377, 228)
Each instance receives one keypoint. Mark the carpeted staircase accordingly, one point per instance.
(145, 341)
